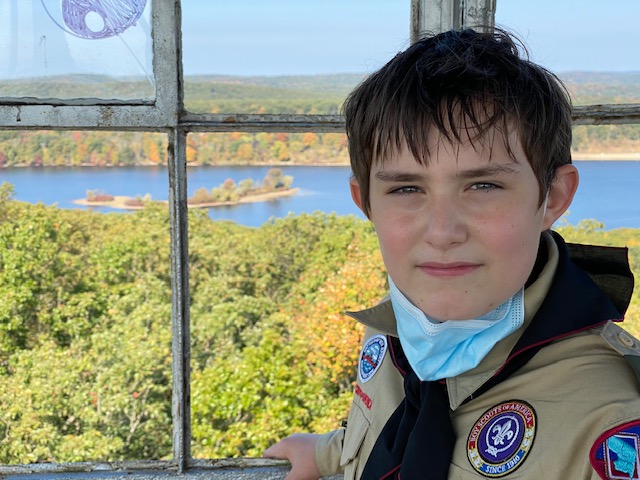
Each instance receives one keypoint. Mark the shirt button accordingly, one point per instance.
(626, 339)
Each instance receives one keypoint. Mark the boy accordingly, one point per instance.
(494, 354)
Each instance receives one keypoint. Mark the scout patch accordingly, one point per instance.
(371, 357)
(615, 455)
(501, 439)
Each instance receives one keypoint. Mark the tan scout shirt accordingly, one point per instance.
(579, 387)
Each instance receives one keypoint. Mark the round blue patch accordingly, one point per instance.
(371, 357)
(502, 438)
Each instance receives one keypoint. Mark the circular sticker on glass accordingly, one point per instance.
(371, 357)
(501, 439)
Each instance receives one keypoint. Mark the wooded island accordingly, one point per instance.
(274, 185)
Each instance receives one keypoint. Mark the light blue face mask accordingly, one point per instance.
(443, 350)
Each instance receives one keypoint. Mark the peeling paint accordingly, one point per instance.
(106, 116)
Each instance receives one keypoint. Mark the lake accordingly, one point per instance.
(608, 189)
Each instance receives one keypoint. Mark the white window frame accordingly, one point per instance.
(166, 115)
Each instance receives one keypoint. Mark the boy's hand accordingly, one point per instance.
(300, 450)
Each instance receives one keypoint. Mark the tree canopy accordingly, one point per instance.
(85, 328)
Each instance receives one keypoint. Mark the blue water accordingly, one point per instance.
(608, 190)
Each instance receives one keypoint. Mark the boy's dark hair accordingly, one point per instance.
(463, 83)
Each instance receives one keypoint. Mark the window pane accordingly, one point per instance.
(72, 49)
(252, 281)
(606, 142)
(589, 43)
(285, 56)
(608, 160)
(223, 167)
(85, 302)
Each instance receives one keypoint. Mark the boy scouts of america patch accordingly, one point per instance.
(614, 455)
(501, 439)
(371, 357)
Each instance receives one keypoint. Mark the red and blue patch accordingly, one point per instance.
(616, 453)
(371, 357)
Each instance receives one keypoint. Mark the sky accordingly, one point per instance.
(289, 37)
(567, 35)
(252, 37)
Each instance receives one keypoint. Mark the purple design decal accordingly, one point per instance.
(96, 19)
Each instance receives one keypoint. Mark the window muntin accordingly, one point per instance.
(69, 49)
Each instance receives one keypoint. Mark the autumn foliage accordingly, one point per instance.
(85, 329)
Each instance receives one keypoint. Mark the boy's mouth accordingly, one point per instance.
(454, 269)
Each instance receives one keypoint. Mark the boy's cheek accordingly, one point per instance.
(394, 238)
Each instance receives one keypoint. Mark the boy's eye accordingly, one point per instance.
(484, 186)
(405, 190)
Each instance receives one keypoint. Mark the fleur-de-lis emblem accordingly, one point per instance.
(502, 432)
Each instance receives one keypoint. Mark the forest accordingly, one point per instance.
(85, 328)
(321, 94)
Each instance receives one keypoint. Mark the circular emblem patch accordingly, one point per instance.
(502, 438)
(371, 357)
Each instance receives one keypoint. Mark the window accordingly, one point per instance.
(143, 43)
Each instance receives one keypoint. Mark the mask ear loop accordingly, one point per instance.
(544, 205)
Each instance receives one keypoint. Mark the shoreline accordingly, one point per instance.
(119, 201)
(602, 156)
(629, 157)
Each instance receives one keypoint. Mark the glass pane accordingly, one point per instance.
(238, 176)
(285, 56)
(606, 142)
(608, 160)
(589, 43)
(260, 368)
(76, 49)
(85, 309)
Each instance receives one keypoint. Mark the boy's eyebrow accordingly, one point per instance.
(486, 171)
(489, 170)
(394, 176)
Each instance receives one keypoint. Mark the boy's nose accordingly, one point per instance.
(444, 225)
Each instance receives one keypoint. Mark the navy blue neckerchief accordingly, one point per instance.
(418, 439)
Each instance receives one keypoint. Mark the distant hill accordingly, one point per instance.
(78, 86)
(603, 87)
(324, 94)
(319, 94)
(331, 84)
(315, 94)
(605, 78)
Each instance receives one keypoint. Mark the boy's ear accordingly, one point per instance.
(356, 193)
(560, 194)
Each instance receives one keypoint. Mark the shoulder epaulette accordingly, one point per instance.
(624, 343)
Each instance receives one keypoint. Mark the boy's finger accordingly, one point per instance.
(275, 451)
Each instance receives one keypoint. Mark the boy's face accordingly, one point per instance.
(460, 236)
